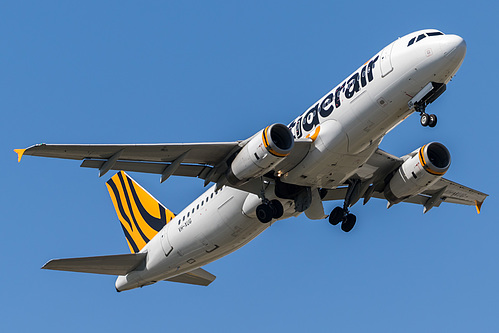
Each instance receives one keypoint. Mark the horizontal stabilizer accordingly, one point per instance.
(198, 277)
(112, 265)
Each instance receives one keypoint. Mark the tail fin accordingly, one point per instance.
(140, 214)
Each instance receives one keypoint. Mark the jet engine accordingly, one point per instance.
(422, 169)
(261, 154)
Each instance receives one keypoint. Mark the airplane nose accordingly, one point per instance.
(454, 46)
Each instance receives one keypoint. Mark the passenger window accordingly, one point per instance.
(197, 206)
(188, 214)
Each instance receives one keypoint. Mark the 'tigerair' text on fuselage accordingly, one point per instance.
(322, 109)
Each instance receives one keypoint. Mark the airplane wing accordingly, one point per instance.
(200, 153)
(202, 160)
(443, 190)
(186, 159)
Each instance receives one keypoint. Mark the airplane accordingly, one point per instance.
(330, 152)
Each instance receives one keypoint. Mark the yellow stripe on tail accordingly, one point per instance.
(140, 214)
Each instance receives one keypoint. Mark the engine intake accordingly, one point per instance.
(425, 167)
(435, 158)
(261, 154)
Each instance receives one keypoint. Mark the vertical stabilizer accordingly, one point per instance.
(140, 214)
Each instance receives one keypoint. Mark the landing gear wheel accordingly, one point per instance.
(264, 213)
(277, 209)
(348, 223)
(336, 215)
(425, 119)
(432, 121)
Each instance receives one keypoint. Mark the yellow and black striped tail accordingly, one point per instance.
(140, 214)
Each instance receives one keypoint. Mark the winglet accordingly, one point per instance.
(478, 205)
(20, 153)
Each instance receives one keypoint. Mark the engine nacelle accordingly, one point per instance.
(261, 154)
(426, 166)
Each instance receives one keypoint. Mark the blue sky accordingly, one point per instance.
(159, 71)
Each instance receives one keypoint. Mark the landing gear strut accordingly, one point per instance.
(342, 214)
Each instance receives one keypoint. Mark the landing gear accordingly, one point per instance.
(433, 120)
(348, 222)
(269, 210)
(426, 96)
(336, 216)
(264, 213)
(342, 214)
(426, 119)
(277, 209)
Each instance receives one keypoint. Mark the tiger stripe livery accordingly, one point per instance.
(140, 214)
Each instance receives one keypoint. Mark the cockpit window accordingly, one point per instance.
(429, 34)
(420, 37)
(436, 33)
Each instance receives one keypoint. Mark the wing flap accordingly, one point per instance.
(198, 277)
(111, 265)
(185, 170)
(457, 193)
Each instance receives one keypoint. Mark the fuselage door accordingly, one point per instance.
(386, 60)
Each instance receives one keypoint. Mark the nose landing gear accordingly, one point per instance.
(425, 97)
(426, 119)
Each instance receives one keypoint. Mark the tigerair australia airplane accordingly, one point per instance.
(330, 152)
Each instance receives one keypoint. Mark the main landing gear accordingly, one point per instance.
(342, 214)
(426, 119)
(269, 210)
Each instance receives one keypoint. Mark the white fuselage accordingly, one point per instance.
(347, 125)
